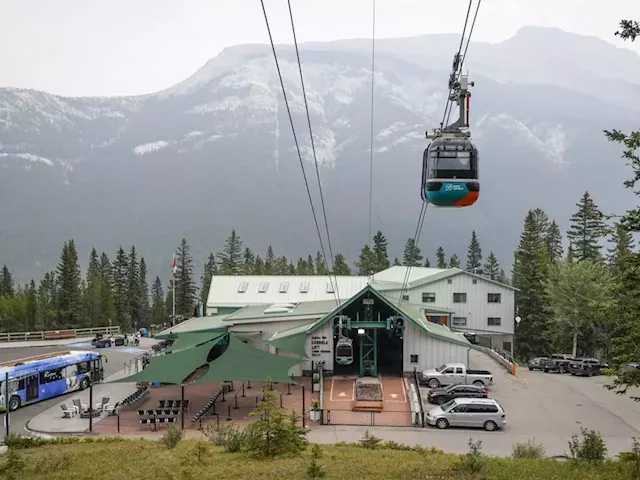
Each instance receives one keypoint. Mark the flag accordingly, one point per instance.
(174, 267)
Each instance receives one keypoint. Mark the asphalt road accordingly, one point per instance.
(18, 419)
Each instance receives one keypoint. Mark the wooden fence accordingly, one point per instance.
(57, 334)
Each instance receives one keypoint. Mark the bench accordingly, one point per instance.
(59, 335)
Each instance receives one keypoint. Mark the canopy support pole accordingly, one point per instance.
(182, 407)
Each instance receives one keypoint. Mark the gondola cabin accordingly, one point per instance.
(450, 172)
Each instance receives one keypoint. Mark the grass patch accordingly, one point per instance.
(189, 459)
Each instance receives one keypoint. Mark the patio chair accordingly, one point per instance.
(66, 413)
(78, 405)
(101, 406)
(112, 410)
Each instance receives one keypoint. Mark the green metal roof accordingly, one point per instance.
(194, 339)
(256, 313)
(197, 324)
(293, 340)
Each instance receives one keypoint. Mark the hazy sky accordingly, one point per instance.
(114, 47)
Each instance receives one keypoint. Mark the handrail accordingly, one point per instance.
(58, 334)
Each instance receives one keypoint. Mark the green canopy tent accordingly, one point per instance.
(293, 340)
(188, 340)
(242, 362)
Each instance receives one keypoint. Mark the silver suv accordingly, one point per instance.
(468, 412)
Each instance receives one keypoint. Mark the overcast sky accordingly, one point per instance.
(116, 47)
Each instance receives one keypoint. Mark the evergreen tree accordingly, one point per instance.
(69, 292)
(381, 257)
(134, 294)
(47, 314)
(107, 299)
(120, 275)
(554, 243)
(249, 260)
(158, 305)
(231, 258)
(269, 261)
(586, 229)
(32, 306)
(144, 294)
(211, 269)
(302, 268)
(441, 260)
(6, 283)
(291, 269)
(366, 263)
(492, 267)
(474, 255)
(93, 292)
(320, 265)
(340, 266)
(396, 262)
(185, 286)
(427, 263)
(621, 246)
(412, 256)
(258, 266)
(530, 275)
(571, 256)
(281, 266)
(502, 277)
(311, 266)
(454, 261)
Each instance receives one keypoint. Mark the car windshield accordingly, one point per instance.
(448, 406)
(450, 388)
(440, 368)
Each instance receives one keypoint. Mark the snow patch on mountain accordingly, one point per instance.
(150, 147)
(29, 157)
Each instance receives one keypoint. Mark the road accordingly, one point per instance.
(546, 407)
(18, 419)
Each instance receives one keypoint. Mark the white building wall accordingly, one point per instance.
(477, 309)
(431, 351)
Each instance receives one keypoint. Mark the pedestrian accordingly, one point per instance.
(113, 342)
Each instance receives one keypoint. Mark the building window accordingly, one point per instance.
(429, 297)
(262, 288)
(494, 321)
(405, 298)
(414, 358)
(459, 322)
(243, 287)
(475, 280)
(449, 281)
(284, 286)
(494, 297)
(459, 298)
(506, 346)
(304, 287)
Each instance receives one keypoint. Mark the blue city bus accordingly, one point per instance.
(46, 376)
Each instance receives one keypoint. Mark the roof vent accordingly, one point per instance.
(304, 287)
(278, 308)
(242, 287)
(284, 286)
(262, 288)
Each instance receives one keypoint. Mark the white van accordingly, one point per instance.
(468, 412)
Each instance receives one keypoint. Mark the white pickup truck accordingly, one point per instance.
(454, 374)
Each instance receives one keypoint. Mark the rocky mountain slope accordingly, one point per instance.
(216, 152)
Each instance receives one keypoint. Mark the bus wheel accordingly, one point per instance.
(84, 383)
(14, 403)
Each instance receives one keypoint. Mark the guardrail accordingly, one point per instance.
(57, 334)
(505, 360)
(418, 395)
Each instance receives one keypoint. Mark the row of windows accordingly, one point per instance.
(49, 376)
(462, 321)
(283, 287)
(430, 297)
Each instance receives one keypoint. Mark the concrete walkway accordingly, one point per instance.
(51, 421)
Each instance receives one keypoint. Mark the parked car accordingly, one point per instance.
(629, 367)
(468, 412)
(101, 341)
(442, 395)
(586, 366)
(537, 363)
(558, 362)
(455, 374)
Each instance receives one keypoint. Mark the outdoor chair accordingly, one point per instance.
(111, 411)
(66, 413)
(79, 406)
(103, 404)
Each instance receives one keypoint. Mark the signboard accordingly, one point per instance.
(320, 346)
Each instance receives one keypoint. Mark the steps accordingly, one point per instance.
(367, 406)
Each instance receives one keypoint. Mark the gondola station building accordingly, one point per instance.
(361, 326)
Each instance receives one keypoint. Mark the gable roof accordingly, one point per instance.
(425, 276)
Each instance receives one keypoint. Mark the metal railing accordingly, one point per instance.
(416, 380)
(57, 334)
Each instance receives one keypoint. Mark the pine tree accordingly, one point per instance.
(454, 261)
(269, 261)
(530, 275)
(107, 299)
(502, 277)
(6, 283)
(144, 294)
(158, 314)
(320, 265)
(441, 260)
(586, 229)
(381, 257)
(366, 263)
(621, 246)
(291, 269)
(474, 255)
(211, 269)
(47, 303)
(554, 243)
(32, 306)
(396, 262)
(258, 266)
(281, 266)
(120, 275)
(427, 263)
(231, 258)
(492, 267)
(69, 293)
(571, 255)
(311, 266)
(93, 292)
(134, 292)
(248, 266)
(185, 286)
(412, 256)
(340, 266)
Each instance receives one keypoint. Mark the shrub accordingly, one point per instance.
(391, 445)
(232, 439)
(172, 437)
(315, 471)
(474, 461)
(529, 449)
(633, 457)
(13, 466)
(20, 442)
(591, 448)
(370, 441)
